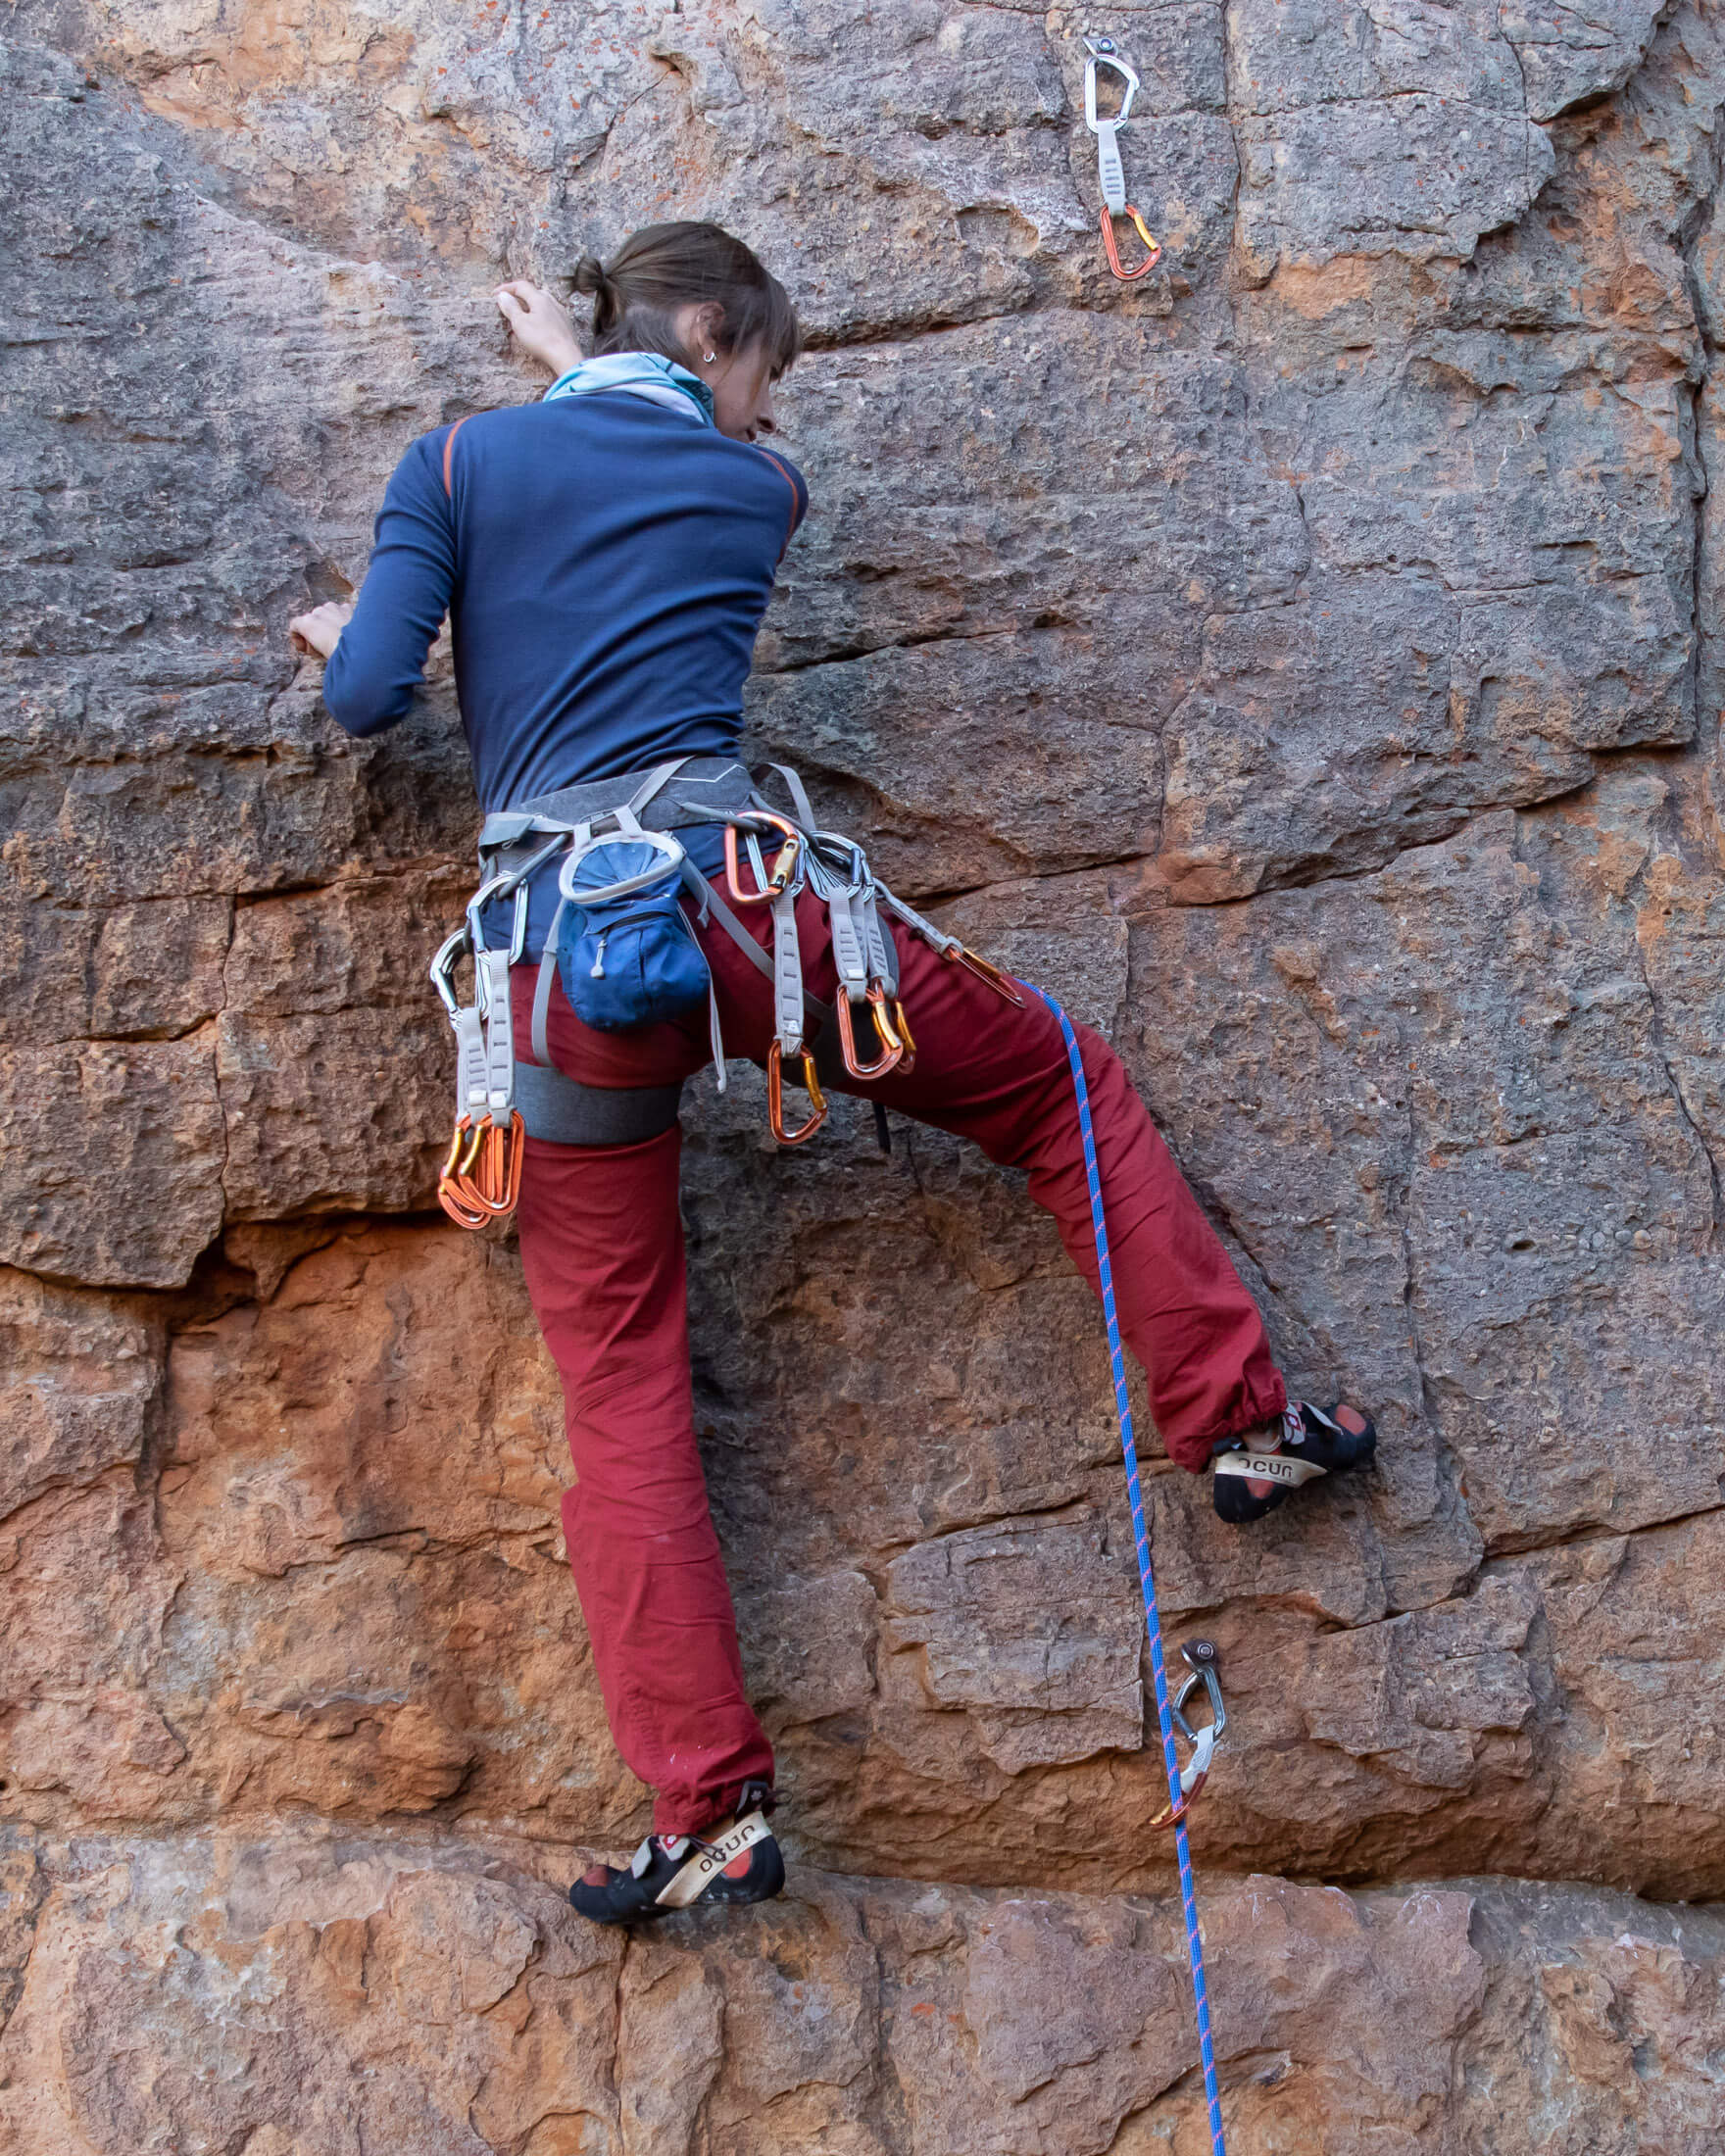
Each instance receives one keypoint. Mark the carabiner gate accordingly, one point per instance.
(775, 1097)
(892, 1048)
(901, 1026)
(770, 884)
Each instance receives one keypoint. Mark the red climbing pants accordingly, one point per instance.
(601, 1244)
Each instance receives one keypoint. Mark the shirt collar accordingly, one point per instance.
(643, 374)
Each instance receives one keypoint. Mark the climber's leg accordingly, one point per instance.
(602, 1247)
(1001, 1076)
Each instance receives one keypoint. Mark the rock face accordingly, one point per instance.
(1306, 660)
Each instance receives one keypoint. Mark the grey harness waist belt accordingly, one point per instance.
(698, 789)
(570, 1113)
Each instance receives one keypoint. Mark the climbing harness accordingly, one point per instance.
(1183, 1786)
(482, 1173)
(621, 944)
(1111, 174)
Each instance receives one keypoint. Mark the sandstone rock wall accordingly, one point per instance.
(1305, 660)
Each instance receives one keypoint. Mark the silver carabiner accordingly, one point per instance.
(1104, 53)
(499, 887)
(1200, 1657)
(448, 952)
(861, 880)
(494, 887)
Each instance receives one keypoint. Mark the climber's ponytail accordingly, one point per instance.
(662, 267)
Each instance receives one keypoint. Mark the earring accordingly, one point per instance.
(708, 357)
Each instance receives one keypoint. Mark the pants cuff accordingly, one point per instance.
(694, 1815)
(1195, 1454)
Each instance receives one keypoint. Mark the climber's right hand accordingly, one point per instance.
(539, 325)
(321, 630)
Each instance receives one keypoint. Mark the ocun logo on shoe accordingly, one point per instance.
(726, 1848)
(1272, 1468)
(710, 1858)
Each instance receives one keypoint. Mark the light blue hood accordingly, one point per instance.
(643, 374)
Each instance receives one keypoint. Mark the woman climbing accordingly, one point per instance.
(606, 557)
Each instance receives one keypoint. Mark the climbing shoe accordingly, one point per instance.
(741, 1862)
(1309, 1442)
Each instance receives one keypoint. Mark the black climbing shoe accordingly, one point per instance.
(740, 1862)
(1311, 1441)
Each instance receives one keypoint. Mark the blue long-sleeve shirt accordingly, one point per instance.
(604, 561)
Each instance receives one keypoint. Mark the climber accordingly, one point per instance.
(606, 556)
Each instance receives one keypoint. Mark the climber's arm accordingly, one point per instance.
(376, 659)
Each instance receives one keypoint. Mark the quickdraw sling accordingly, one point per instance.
(1111, 172)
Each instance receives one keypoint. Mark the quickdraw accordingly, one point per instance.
(1111, 174)
(775, 1094)
(862, 953)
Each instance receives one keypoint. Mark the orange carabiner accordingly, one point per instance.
(461, 1214)
(775, 1097)
(892, 1048)
(464, 1124)
(514, 1144)
(1171, 1814)
(481, 1178)
(906, 1061)
(499, 1181)
(992, 974)
(1129, 276)
(783, 869)
(453, 1188)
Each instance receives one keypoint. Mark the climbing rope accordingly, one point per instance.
(1146, 1579)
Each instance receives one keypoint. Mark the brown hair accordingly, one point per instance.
(664, 267)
